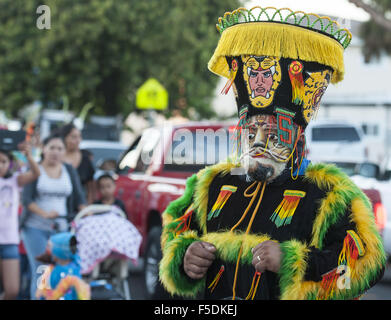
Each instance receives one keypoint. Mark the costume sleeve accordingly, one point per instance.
(345, 258)
(180, 230)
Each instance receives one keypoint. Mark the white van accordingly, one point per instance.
(335, 141)
(51, 120)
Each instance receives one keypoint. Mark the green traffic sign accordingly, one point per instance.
(152, 95)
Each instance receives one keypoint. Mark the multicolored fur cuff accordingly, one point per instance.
(292, 269)
(171, 270)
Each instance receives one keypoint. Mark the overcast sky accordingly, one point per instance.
(340, 8)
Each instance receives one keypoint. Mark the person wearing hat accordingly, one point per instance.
(268, 224)
(62, 279)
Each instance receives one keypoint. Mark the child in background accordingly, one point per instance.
(106, 187)
(62, 279)
(10, 184)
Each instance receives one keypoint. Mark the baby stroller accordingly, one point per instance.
(106, 241)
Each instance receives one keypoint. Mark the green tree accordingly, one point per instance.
(18, 51)
(376, 33)
(101, 51)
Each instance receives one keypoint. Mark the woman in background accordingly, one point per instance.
(79, 159)
(49, 203)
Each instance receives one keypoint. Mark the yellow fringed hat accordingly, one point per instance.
(283, 33)
(278, 61)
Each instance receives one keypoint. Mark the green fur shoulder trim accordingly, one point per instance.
(175, 210)
(340, 191)
(176, 207)
(205, 178)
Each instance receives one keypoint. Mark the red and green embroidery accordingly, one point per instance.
(184, 221)
(352, 249)
(283, 214)
(225, 192)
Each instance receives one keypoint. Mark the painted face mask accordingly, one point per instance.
(265, 155)
(287, 93)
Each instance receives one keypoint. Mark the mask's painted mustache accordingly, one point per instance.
(259, 150)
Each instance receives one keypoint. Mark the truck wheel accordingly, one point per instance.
(152, 257)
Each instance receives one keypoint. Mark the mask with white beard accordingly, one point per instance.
(263, 157)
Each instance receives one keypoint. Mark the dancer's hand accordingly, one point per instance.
(198, 258)
(267, 256)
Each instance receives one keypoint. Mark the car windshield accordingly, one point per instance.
(335, 134)
(99, 155)
(98, 132)
(190, 151)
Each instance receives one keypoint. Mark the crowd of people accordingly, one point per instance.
(39, 197)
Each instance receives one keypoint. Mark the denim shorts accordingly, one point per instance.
(9, 251)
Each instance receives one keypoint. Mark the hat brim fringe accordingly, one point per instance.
(279, 40)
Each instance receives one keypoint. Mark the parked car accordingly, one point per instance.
(105, 154)
(383, 184)
(335, 140)
(343, 143)
(153, 172)
(102, 128)
(51, 120)
(366, 176)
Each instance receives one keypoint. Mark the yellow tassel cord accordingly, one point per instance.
(248, 195)
(352, 249)
(286, 209)
(234, 241)
(299, 132)
(215, 281)
(278, 40)
(236, 138)
(254, 286)
(232, 75)
(248, 228)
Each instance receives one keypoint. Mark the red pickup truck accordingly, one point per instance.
(153, 172)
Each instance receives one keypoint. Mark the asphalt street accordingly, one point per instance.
(381, 291)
